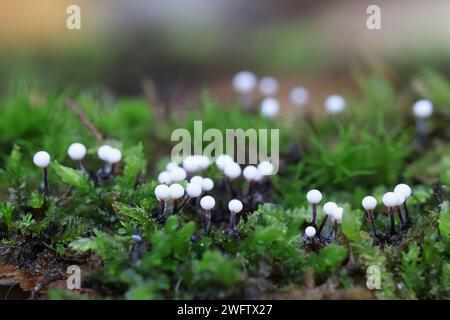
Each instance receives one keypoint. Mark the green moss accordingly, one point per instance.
(134, 254)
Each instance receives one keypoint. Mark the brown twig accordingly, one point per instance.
(72, 105)
(151, 94)
(149, 90)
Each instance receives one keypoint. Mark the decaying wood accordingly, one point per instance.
(11, 276)
(328, 291)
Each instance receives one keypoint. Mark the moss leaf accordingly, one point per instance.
(444, 220)
(351, 226)
(72, 177)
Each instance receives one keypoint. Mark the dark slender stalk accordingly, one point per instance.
(229, 187)
(79, 165)
(183, 203)
(335, 228)
(314, 214)
(105, 171)
(333, 231)
(162, 206)
(408, 221)
(175, 205)
(232, 220)
(400, 216)
(313, 244)
(422, 132)
(207, 221)
(246, 101)
(186, 200)
(322, 225)
(251, 185)
(46, 183)
(372, 222)
(391, 216)
(107, 168)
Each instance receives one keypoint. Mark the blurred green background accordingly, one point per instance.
(181, 46)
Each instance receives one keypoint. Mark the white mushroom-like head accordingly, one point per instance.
(299, 96)
(191, 164)
(114, 156)
(338, 214)
(265, 168)
(369, 203)
(194, 189)
(204, 162)
(222, 160)
(165, 177)
(207, 184)
(314, 196)
(171, 165)
(423, 108)
(400, 198)
(76, 151)
(390, 199)
(258, 177)
(310, 231)
(235, 206)
(41, 159)
(176, 191)
(270, 107)
(250, 173)
(232, 170)
(403, 189)
(103, 152)
(162, 192)
(268, 86)
(244, 82)
(178, 174)
(335, 104)
(196, 179)
(207, 202)
(329, 208)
